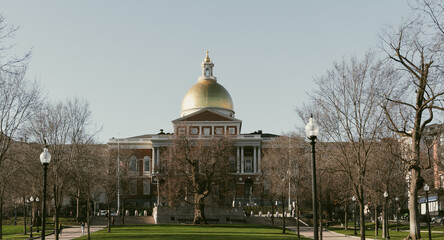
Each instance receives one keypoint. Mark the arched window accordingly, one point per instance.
(133, 164)
(146, 163)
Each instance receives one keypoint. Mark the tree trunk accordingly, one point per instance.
(108, 219)
(376, 220)
(320, 214)
(56, 214)
(283, 214)
(1, 218)
(297, 214)
(272, 212)
(123, 211)
(78, 205)
(56, 223)
(415, 233)
(24, 216)
(361, 216)
(384, 223)
(345, 216)
(88, 217)
(199, 210)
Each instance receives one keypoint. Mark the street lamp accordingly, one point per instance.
(312, 130)
(45, 158)
(32, 200)
(397, 213)
(156, 176)
(354, 213)
(386, 228)
(426, 189)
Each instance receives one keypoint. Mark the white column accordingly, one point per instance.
(254, 160)
(153, 161)
(158, 159)
(242, 159)
(259, 159)
(238, 160)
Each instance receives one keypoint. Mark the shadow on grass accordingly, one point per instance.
(194, 232)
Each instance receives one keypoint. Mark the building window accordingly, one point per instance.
(206, 131)
(232, 130)
(442, 180)
(181, 130)
(133, 164)
(146, 163)
(248, 164)
(133, 187)
(219, 130)
(248, 187)
(194, 130)
(146, 187)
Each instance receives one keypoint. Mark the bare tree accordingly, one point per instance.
(197, 167)
(10, 63)
(413, 101)
(113, 178)
(65, 126)
(18, 101)
(386, 174)
(285, 170)
(350, 117)
(90, 158)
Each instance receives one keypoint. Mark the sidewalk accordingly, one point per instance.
(75, 232)
(308, 232)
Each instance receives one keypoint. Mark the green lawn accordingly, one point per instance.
(11, 231)
(437, 231)
(194, 232)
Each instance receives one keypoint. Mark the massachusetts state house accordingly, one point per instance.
(207, 110)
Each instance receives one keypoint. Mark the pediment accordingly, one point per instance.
(206, 114)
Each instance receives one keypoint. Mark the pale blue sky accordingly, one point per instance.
(134, 60)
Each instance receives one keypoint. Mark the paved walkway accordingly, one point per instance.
(75, 232)
(327, 235)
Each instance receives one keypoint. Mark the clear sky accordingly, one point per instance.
(133, 61)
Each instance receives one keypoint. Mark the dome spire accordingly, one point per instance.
(207, 68)
(207, 58)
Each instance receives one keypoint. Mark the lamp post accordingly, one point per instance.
(45, 158)
(312, 130)
(156, 175)
(32, 200)
(386, 228)
(397, 213)
(426, 189)
(354, 214)
(37, 213)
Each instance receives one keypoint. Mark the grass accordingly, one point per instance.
(11, 231)
(437, 231)
(194, 232)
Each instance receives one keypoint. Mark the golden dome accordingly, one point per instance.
(206, 93)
